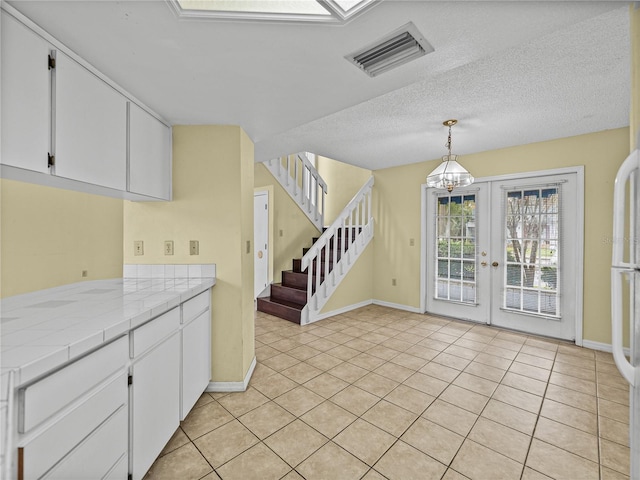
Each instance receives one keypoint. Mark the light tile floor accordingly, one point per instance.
(380, 393)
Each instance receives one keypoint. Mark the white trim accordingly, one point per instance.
(423, 249)
(578, 170)
(579, 249)
(233, 386)
(338, 311)
(602, 347)
(398, 306)
(533, 174)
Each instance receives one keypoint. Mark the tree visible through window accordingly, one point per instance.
(532, 241)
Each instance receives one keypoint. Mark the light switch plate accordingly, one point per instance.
(194, 247)
(138, 247)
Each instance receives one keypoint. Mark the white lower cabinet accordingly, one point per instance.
(196, 361)
(109, 414)
(96, 456)
(155, 389)
(66, 440)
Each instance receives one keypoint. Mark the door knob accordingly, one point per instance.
(260, 254)
(494, 264)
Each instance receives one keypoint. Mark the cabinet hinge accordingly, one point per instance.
(52, 62)
(51, 160)
(130, 380)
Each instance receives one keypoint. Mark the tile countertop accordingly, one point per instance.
(42, 330)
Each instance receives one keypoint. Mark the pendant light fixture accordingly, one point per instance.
(449, 174)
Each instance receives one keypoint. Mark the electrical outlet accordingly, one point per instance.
(168, 247)
(412, 242)
(281, 233)
(85, 273)
(393, 282)
(194, 247)
(138, 247)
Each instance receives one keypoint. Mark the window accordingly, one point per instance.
(333, 11)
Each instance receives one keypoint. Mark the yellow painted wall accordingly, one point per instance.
(343, 182)
(212, 203)
(291, 229)
(397, 209)
(49, 236)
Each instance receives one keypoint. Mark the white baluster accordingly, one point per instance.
(317, 270)
(295, 176)
(309, 283)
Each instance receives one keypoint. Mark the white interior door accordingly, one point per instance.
(261, 241)
(507, 252)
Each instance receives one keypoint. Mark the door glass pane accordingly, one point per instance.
(531, 250)
(456, 240)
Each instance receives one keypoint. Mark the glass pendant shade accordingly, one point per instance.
(449, 175)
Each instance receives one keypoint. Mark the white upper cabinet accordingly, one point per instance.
(90, 127)
(26, 97)
(149, 155)
(101, 140)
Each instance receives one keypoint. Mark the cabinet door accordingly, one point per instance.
(149, 155)
(26, 97)
(90, 127)
(155, 403)
(196, 361)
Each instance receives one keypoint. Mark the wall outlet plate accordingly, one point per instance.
(194, 247)
(168, 247)
(138, 247)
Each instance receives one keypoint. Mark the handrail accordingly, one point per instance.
(619, 266)
(299, 177)
(349, 234)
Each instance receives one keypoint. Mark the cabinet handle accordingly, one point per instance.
(51, 160)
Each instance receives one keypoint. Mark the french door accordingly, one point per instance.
(506, 252)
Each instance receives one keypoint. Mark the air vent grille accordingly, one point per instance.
(395, 49)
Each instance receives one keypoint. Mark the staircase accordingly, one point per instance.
(308, 286)
(303, 183)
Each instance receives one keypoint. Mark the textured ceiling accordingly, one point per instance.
(511, 72)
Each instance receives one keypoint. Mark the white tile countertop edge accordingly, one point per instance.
(40, 331)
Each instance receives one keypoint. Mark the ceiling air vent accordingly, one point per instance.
(393, 50)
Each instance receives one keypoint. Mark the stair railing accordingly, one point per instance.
(301, 180)
(349, 235)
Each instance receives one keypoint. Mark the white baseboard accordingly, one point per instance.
(233, 386)
(397, 306)
(338, 311)
(603, 347)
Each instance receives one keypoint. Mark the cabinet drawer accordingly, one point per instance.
(154, 331)
(120, 470)
(45, 450)
(44, 398)
(191, 308)
(95, 457)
